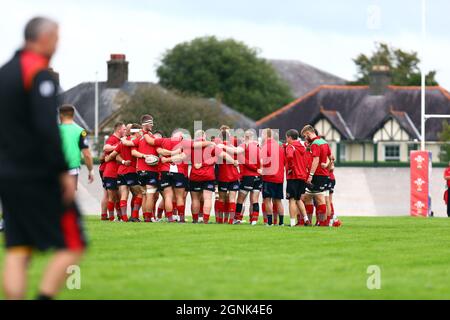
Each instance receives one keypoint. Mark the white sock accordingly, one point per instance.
(306, 219)
(293, 222)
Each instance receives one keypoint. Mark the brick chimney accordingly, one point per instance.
(117, 71)
(380, 79)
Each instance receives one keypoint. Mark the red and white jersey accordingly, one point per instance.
(172, 144)
(249, 161)
(143, 147)
(296, 162)
(272, 160)
(110, 168)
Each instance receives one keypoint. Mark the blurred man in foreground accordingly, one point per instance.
(36, 190)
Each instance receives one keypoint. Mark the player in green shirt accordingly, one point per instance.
(74, 140)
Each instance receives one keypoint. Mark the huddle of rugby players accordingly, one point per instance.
(225, 169)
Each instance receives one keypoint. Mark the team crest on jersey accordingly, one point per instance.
(47, 88)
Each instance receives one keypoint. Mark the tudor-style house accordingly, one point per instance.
(375, 123)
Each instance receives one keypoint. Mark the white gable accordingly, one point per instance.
(327, 130)
(391, 131)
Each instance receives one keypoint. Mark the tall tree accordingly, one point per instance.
(227, 70)
(404, 66)
(173, 111)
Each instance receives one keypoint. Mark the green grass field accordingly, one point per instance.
(161, 261)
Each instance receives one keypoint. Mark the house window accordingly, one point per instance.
(392, 152)
(343, 153)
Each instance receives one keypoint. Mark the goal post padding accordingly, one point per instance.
(421, 167)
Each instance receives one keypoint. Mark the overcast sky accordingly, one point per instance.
(324, 33)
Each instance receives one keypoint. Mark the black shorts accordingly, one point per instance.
(250, 183)
(295, 189)
(229, 186)
(331, 185)
(101, 177)
(273, 190)
(110, 183)
(174, 180)
(148, 178)
(129, 180)
(319, 184)
(199, 186)
(36, 218)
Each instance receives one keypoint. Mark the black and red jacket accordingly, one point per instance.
(30, 145)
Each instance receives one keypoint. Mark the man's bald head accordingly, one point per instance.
(37, 26)
(41, 35)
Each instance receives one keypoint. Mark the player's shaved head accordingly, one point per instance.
(37, 27)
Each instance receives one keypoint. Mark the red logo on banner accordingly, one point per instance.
(420, 183)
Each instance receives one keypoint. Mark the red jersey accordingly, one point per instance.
(143, 147)
(250, 160)
(296, 162)
(207, 157)
(125, 153)
(272, 159)
(172, 144)
(228, 172)
(321, 149)
(447, 174)
(110, 168)
(332, 177)
(112, 141)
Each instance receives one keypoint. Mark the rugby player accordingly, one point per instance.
(110, 171)
(37, 193)
(228, 180)
(147, 166)
(174, 172)
(74, 140)
(333, 219)
(204, 157)
(272, 162)
(250, 172)
(296, 173)
(318, 177)
(127, 177)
